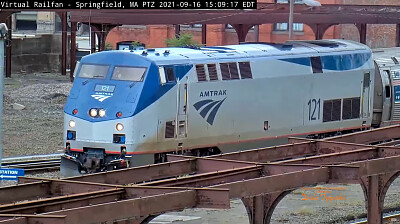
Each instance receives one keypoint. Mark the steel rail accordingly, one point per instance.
(395, 218)
(35, 163)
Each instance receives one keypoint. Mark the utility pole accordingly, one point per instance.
(291, 2)
(3, 36)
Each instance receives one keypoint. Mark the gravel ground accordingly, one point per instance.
(37, 129)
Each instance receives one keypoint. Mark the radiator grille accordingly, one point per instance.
(351, 108)
(212, 71)
(331, 110)
(201, 73)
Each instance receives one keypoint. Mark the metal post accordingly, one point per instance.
(64, 37)
(204, 34)
(3, 35)
(397, 35)
(8, 48)
(72, 59)
(257, 33)
(291, 19)
(363, 33)
(177, 31)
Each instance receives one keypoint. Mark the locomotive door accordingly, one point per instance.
(365, 96)
(182, 107)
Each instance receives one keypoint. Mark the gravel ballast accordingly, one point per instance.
(37, 128)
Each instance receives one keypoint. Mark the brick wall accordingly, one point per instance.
(377, 35)
(154, 36)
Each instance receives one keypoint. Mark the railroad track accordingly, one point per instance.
(37, 163)
(394, 142)
(390, 219)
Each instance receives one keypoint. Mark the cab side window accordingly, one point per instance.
(167, 74)
(170, 74)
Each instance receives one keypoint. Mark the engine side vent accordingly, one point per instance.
(395, 60)
(169, 129)
(332, 110)
(201, 73)
(351, 108)
(212, 72)
(233, 70)
(245, 70)
(229, 71)
(225, 71)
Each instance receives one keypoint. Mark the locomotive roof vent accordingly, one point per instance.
(283, 47)
(184, 55)
(217, 50)
(144, 53)
(395, 60)
(325, 43)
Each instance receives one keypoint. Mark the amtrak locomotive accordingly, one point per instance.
(130, 108)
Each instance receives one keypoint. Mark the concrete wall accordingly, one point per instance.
(38, 54)
(46, 22)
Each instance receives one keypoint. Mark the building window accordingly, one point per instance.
(297, 27)
(229, 26)
(287, 1)
(26, 21)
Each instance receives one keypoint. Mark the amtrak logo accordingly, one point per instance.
(208, 109)
(100, 98)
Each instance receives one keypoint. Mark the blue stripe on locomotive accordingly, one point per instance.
(127, 98)
(342, 62)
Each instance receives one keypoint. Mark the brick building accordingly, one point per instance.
(377, 35)
(221, 34)
(154, 36)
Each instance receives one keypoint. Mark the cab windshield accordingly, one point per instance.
(134, 74)
(93, 71)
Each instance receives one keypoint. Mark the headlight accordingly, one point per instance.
(119, 127)
(102, 112)
(93, 112)
(71, 123)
